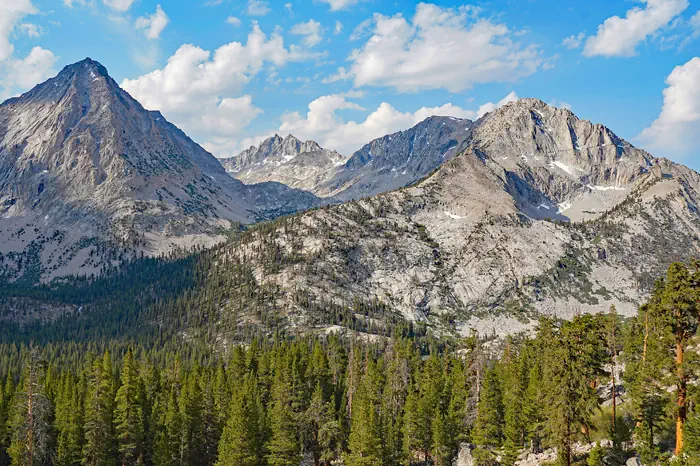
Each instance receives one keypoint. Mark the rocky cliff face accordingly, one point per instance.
(494, 237)
(88, 176)
(289, 161)
(384, 164)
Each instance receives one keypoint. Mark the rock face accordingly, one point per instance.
(88, 177)
(495, 234)
(385, 164)
(398, 159)
(289, 161)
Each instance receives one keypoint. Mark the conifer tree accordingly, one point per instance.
(30, 424)
(69, 423)
(514, 384)
(365, 443)
(99, 448)
(128, 414)
(488, 427)
(6, 395)
(242, 439)
(575, 362)
(283, 447)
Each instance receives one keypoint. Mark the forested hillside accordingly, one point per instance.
(399, 399)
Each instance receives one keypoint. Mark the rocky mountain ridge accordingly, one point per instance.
(88, 176)
(540, 213)
(384, 164)
(289, 161)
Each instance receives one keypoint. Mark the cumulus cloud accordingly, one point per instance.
(30, 70)
(675, 132)
(200, 91)
(19, 74)
(153, 25)
(444, 48)
(119, 5)
(619, 37)
(340, 4)
(338, 27)
(233, 21)
(10, 13)
(323, 124)
(311, 30)
(258, 8)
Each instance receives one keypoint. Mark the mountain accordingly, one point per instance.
(539, 213)
(398, 159)
(89, 177)
(384, 164)
(289, 161)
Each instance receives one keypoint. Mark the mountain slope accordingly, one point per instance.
(382, 165)
(488, 240)
(289, 161)
(87, 176)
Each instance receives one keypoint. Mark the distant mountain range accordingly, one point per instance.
(535, 211)
(384, 164)
(528, 210)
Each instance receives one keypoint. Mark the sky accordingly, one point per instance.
(342, 72)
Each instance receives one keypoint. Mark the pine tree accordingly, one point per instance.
(6, 396)
(191, 446)
(488, 427)
(575, 362)
(99, 410)
(30, 425)
(242, 439)
(677, 309)
(69, 423)
(283, 446)
(514, 384)
(365, 443)
(128, 415)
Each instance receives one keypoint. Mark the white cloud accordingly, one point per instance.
(361, 30)
(233, 21)
(31, 70)
(574, 42)
(153, 24)
(444, 48)
(311, 30)
(200, 91)
(19, 74)
(323, 124)
(70, 3)
(289, 7)
(32, 30)
(338, 27)
(675, 132)
(11, 12)
(119, 5)
(340, 4)
(619, 37)
(258, 8)
(695, 24)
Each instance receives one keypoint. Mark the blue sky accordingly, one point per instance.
(230, 72)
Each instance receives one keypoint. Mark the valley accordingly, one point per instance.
(459, 289)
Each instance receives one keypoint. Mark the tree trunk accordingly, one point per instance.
(681, 399)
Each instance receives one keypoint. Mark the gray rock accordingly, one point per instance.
(464, 457)
(87, 174)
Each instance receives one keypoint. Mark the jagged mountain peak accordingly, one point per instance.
(289, 160)
(82, 163)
